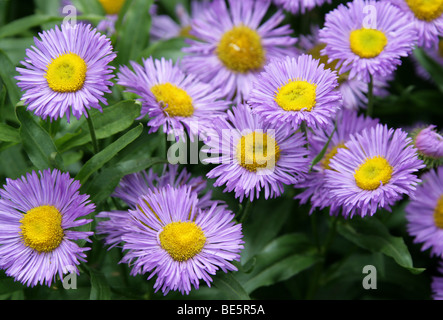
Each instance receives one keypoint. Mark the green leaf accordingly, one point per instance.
(133, 34)
(89, 7)
(37, 142)
(7, 73)
(372, 234)
(9, 134)
(229, 285)
(431, 66)
(101, 158)
(169, 49)
(280, 260)
(114, 119)
(23, 24)
(104, 183)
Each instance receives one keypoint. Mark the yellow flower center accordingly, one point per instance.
(240, 50)
(426, 10)
(367, 43)
(438, 213)
(257, 150)
(112, 6)
(296, 95)
(41, 228)
(175, 101)
(372, 173)
(328, 156)
(315, 52)
(66, 73)
(182, 240)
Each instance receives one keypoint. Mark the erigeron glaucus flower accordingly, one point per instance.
(295, 90)
(171, 98)
(429, 144)
(66, 72)
(424, 213)
(164, 27)
(39, 214)
(171, 238)
(427, 19)
(374, 169)
(253, 157)
(354, 91)
(365, 47)
(133, 186)
(235, 43)
(299, 6)
(316, 191)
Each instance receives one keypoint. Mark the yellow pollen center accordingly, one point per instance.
(372, 173)
(182, 240)
(41, 228)
(175, 101)
(240, 50)
(332, 152)
(66, 73)
(112, 6)
(367, 43)
(296, 95)
(438, 213)
(257, 150)
(426, 10)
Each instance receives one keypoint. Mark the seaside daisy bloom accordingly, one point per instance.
(170, 237)
(373, 170)
(67, 72)
(354, 91)
(365, 47)
(234, 45)
(112, 8)
(171, 98)
(299, 6)
(427, 18)
(315, 191)
(295, 90)
(252, 156)
(39, 213)
(164, 27)
(429, 144)
(136, 185)
(424, 213)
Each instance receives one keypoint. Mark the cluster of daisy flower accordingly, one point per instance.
(266, 104)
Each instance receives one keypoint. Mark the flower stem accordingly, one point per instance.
(92, 132)
(370, 106)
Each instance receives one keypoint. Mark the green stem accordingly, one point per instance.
(246, 211)
(370, 106)
(92, 132)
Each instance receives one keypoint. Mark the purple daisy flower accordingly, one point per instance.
(354, 91)
(368, 38)
(429, 144)
(253, 156)
(348, 122)
(299, 6)
(67, 71)
(171, 98)
(172, 238)
(295, 90)
(135, 185)
(427, 18)
(374, 170)
(233, 45)
(38, 215)
(424, 213)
